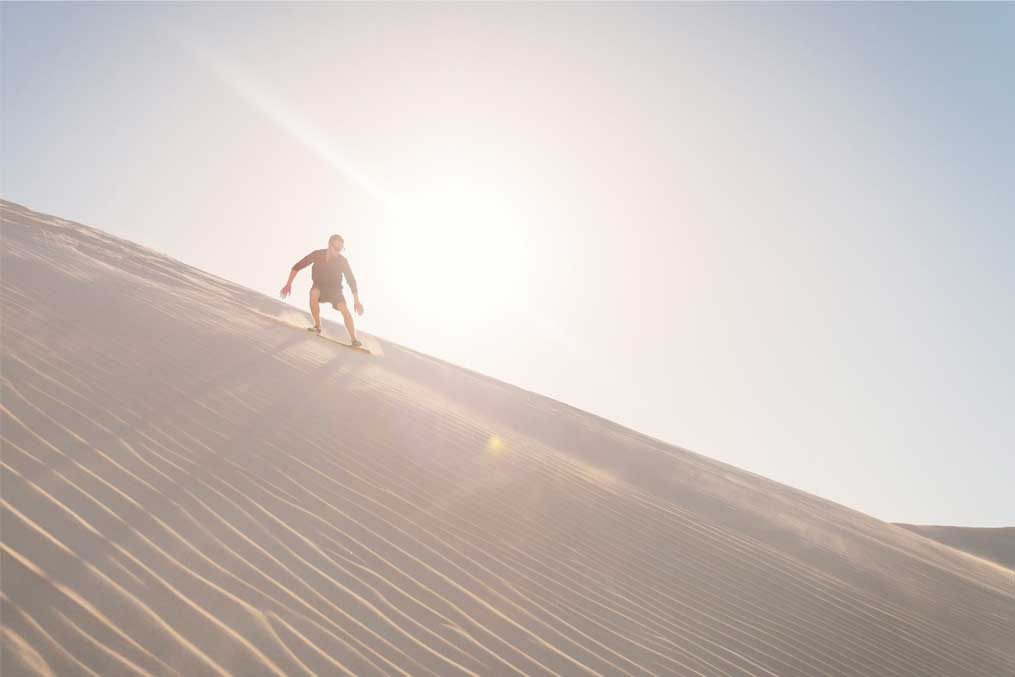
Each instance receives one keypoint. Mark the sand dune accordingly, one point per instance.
(190, 487)
(997, 544)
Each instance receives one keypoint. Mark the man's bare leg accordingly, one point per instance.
(315, 307)
(350, 326)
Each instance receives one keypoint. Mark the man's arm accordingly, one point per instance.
(351, 279)
(300, 265)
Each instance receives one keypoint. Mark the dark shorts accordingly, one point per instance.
(332, 295)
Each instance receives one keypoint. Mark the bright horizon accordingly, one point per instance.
(776, 235)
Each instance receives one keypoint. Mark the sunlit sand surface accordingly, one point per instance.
(190, 487)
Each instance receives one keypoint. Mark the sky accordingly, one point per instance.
(779, 235)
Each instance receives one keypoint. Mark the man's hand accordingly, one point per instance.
(286, 290)
(359, 307)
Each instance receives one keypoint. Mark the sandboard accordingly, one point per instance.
(360, 349)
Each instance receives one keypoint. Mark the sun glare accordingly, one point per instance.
(461, 243)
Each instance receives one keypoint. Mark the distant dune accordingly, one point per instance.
(997, 545)
(191, 487)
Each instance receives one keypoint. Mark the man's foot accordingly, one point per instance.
(316, 330)
(356, 343)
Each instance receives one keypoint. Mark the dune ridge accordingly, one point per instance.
(192, 488)
(996, 544)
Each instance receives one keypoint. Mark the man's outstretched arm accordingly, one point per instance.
(300, 265)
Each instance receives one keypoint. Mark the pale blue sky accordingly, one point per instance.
(780, 235)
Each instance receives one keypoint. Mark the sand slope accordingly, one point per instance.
(996, 544)
(190, 487)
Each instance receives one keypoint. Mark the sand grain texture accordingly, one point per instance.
(192, 488)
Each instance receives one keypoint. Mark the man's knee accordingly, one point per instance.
(315, 294)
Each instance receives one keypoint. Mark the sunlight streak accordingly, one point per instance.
(295, 125)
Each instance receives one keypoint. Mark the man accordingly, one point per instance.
(329, 267)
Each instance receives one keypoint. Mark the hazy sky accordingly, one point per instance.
(780, 235)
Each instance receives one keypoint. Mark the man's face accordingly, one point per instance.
(335, 247)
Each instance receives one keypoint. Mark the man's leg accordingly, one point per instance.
(315, 306)
(350, 326)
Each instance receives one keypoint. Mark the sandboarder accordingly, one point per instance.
(329, 267)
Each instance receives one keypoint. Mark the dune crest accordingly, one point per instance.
(994, 544)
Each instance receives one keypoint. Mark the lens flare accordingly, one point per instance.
(495, 445)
